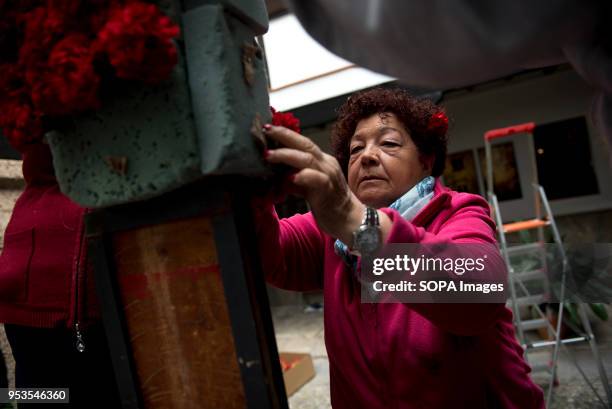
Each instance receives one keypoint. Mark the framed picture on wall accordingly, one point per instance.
(460, 172)
(506, 182)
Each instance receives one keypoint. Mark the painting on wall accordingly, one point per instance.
(506, 182)
(460, 172)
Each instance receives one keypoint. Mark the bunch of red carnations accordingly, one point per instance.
(57, 55)
(286, 119)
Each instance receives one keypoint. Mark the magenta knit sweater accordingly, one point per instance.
(433, 356)
(43, 282)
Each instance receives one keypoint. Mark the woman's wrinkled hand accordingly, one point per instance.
(319, 179)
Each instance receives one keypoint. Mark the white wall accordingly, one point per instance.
(541, 99)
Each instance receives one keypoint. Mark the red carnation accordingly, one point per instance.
(286, 119)
(69, 83)
(138, 41)
(438, 123)
(8, 35)
(98, 12)
(18, 120)
(42, 26)
(65, 10)
(11, 82)
(20, 123)
(47, 64)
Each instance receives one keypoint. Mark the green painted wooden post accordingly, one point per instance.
(146, 141)
(185, 244)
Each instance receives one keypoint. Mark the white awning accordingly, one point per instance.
(302, 72)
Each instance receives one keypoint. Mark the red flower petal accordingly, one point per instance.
(438, 123)
(69, 85)
(286, 119)
(138, 41)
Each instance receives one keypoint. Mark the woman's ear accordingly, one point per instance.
(427, 162)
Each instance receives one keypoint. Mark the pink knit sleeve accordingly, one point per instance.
(468, 223)
(291, 249)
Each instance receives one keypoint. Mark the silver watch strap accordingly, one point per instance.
(370, 217)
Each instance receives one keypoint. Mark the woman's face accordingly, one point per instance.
(384, 163)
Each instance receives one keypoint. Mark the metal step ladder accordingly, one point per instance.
(521, 281)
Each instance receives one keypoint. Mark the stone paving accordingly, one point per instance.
(297, 331)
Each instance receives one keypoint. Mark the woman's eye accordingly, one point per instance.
(355, 149)
(390, 143)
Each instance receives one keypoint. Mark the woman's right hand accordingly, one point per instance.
(319, 179)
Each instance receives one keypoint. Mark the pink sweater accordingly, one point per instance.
(404, 355)
(44, 281)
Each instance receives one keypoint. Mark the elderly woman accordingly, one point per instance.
(389, 149)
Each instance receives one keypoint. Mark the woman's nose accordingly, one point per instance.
(369, 156)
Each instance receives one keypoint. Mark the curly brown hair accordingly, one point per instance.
(417, 115)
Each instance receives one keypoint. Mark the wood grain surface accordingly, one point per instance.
(177, 316)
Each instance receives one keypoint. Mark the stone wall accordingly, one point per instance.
(11, 185)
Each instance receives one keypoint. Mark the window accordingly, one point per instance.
(563, 158)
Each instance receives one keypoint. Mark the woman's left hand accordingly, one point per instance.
(319, 179)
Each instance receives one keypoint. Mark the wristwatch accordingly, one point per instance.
(367, 239)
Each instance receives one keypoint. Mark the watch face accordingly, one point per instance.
(368, 240)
